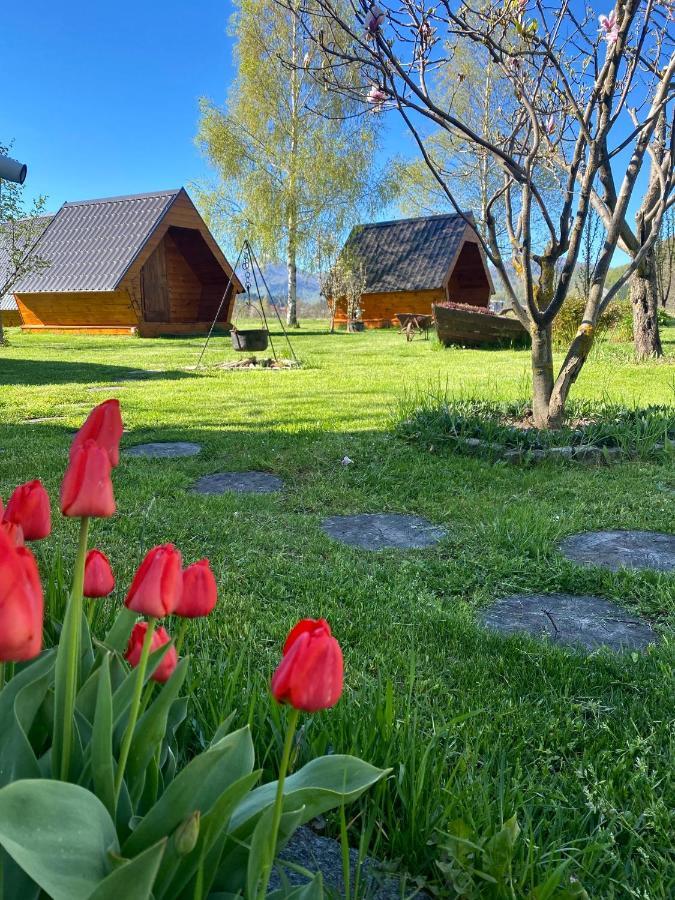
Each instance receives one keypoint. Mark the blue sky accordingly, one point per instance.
(102, 99)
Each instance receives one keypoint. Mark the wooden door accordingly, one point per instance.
(155, 287)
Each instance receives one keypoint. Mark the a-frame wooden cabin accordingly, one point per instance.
(145, 264)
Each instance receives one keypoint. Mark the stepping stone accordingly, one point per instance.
(383, 531)
(164, 450)
(622, 550)
(239, 482)
(587, 622)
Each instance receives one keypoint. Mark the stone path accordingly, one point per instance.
(164, 450)
(587, 622)
(622, 549)
(383, 531)
(239, 482)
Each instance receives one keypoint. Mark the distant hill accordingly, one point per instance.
(276, 276)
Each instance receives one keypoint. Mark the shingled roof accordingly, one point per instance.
(90, 245)
(407, 254)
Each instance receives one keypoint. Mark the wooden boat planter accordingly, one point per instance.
(476, 327)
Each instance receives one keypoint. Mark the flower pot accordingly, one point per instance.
(250, 339)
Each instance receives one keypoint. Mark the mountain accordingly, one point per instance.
(276, 277)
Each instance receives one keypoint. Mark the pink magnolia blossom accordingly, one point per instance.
(610, 26)
(377, 97)
(374, 20)
(550, 125)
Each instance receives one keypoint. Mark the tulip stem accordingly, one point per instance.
(278, 802)
(135, 707)
(181, 636)
(73, 638)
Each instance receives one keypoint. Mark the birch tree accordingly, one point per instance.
(295, 162)
(590, 94)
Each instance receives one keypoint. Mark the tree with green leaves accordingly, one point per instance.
(295, 162)
(20, 227)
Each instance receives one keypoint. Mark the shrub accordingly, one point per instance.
(616, 322)
(93, 803)
(440, 422)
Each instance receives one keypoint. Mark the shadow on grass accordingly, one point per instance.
(40, 371)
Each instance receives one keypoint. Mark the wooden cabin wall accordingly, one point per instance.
(468, 281)
(182, 214)
(379, 309)
(185, 288)
(105, 312)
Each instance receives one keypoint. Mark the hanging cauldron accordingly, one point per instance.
(249, 339)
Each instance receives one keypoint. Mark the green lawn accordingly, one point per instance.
(579, 749)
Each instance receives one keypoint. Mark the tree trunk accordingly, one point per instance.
(644, 297)
(292, 302)
(2, 331)
(542, 373)
(291, 258)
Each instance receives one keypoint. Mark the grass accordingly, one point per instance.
(475, 728)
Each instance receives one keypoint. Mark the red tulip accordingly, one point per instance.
(200, 592)
(158, 583)
(104, 426)
(165, 669)
(29, 507)
(21, 604)
(86, 489)
(309, 676)
(99, 580)
(13, 532)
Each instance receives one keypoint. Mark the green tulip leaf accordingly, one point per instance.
(209, 847)
(134, 879)
(151, 728)
(123, 695)
(262, 844)
(324, 783)
(118, 636)
(102, 767)
(197, 787)
(60, 834)
(17, 759)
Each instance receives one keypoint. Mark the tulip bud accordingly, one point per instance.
(86, 489)
(99, 580)
(29, 507)
(186, 835)
(21, 603)
(103, 426)
(200, 591)
(165, 669)
(158, 583)
(309, 676)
